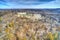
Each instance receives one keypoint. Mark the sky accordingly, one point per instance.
(23, 4)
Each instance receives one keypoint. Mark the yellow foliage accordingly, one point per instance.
(50, 36)
(10, 36)
(33, 37)
(7, 30)
(24, 38)
(56, 35)
(0, 18)
(11, 24)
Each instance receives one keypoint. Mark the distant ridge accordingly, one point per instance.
(47, 11)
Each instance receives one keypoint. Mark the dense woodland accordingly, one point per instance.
(29, 25)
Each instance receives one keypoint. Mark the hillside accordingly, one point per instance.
(30, 24)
